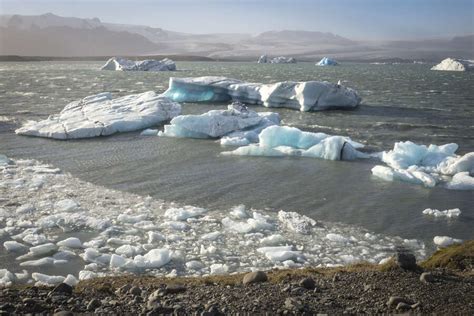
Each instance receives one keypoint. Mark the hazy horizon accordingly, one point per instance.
(355, 19)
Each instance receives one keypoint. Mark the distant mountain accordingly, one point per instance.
(301, 37)
(52, 35)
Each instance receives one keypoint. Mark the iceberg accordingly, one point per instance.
(123, 64)
(100, 115)
(237, 123)
(276, 60)
(327, 62)
(453, 64)
(427, 165)
(262, 59)
(290, 141)
(304, 96)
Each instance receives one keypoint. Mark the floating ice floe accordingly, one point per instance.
(290, 141)
(445, 241)
(303, 96)
(419, 164)
(100, 115)
(276, 60)
(453, 64)
(327, 62)
(452, 213)
(123, 64)
(237, 125)
(126, 233)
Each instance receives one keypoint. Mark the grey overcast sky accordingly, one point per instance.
(359, 19)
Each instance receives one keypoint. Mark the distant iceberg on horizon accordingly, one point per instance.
(264, 59)
(303, 96)
(327, 62)
(453, 64)
(123, 64)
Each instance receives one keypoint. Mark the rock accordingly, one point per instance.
(7, 307)
(93, 304)
(153, 299)
(403, 306)
(308, 283)
(395, 300)
(135, 291)
(255, 277)
(175, 288)
(61, 288)
(123, 290)
(63, 313)
(293, 304)
(406, 260)
(212, 311)
(427, 277)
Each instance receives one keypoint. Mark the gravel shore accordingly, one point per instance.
(356, 289)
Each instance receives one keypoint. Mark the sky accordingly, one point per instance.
(356, 19)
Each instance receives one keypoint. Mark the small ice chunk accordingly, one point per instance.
(181, 214)
(155, 258)
(66, 205)
(239, 212)
(219, 268)
(71, 280)
(461, 181)
(48, 280)
(117, 261)
(47, 261)
(149, 132)
(298, 223)
(26, 208)
(451, 213)
(126, 250)
(14, 246)
(280, 253)
(273, 240)
(86, 275)
(71, 242)
(131, 219)
(43, 250)
(154, 237)
(211, 236)
(194, 265)
(337, 238)
(445, 241)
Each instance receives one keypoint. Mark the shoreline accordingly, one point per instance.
(442, 284)
(18, 58)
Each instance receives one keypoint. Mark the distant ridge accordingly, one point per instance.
(52, 35)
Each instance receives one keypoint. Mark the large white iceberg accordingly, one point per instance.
(290, 141)
(427, 165)
(100, 115)
(237, 123)
(123, 64)
(305, 96)
(453, 64)
(327, 62)
(276, 60)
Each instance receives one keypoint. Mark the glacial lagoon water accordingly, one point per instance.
(400, 102)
